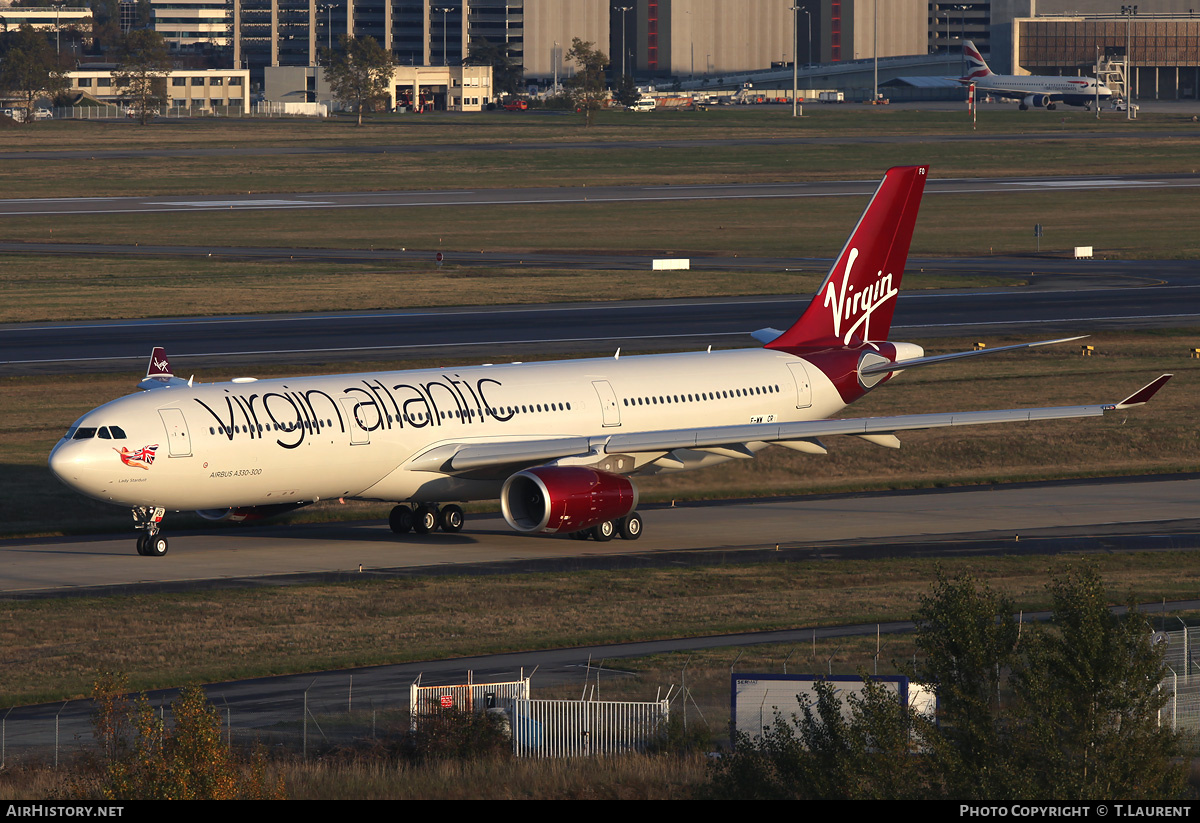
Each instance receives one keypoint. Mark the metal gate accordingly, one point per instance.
(466, 697)
(582, 728)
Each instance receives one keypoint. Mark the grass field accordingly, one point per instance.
(115, 287)
(55, 648)
(533, 150)
(949, 225)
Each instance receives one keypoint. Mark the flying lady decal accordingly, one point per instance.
(141, 459)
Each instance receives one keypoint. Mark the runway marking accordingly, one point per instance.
(231, 203)
(1076, 184)
(586, 196)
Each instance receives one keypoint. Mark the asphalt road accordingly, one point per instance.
(1023, 518)
(63, 206)
(538, 332)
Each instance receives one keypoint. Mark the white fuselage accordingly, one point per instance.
(1058, 88)
(278, 441)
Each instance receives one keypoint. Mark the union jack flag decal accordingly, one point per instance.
(141, 459)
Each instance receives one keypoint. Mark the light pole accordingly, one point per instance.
(810, 54)
(875, 46)
(624, 11)
(444, 10)
(795, 58)
(962, 36)
(57, 28)
(328, 9)
(1129, 12)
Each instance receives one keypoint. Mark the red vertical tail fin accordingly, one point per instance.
(858, 298)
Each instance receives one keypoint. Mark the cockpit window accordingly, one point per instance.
(117, 432)
(84, 433)
(103, 433)
(70, 433)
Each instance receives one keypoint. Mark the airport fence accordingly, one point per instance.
(334, 712)
(585, 728)
(1182, 711)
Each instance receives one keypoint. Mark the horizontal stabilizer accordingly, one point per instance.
(900, 365)
(765, 336)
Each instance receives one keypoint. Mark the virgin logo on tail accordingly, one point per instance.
(858, 304)
(858, 298)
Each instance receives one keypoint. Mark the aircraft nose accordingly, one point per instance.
(75, 466)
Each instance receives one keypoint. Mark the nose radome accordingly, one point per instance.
(75, 466)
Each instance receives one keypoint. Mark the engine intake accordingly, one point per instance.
(564, 499)
(1037, 101)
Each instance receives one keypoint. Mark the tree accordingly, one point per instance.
(507, 72)
(626, 92)
(968, 637)
(145, 758)
(1066, 713)
(1089, 700)
(863, 750)
(141, 75)
(587, 88)
(31, 69)
(359, 72)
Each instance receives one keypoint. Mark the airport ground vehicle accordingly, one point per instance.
(644, 104)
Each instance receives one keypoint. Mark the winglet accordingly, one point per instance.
(1144, 394)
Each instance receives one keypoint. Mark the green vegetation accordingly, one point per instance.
(636, 165)
(117, 287)
(949, 225)
(1067, 713)
(143, 757)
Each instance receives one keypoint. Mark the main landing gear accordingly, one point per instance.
(428, 517)
(627, 528)
(150, 543)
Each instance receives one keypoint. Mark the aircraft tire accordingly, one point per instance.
(604, 532)
(631, 527)
(142, 539)
(425, 519)
(156, 546)
(451, 518)
(580, 535)
(401, 519)
(1052, 106)
(1023, 107)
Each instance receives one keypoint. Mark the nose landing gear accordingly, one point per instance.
(150, 543)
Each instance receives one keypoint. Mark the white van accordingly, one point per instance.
(645, 104)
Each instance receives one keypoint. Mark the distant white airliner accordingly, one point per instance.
(1037, 91)
(556, 442)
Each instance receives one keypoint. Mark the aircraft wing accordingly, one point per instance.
(453, 458)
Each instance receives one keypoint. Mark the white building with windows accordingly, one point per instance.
(190, 23)
(196, 89)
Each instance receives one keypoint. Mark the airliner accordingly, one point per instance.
(1037, 91)
(559, 444)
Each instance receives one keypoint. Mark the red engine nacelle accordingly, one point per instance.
(565, 498)
(243, 513)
